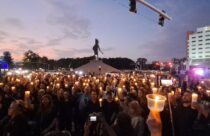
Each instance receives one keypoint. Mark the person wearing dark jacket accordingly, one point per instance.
(184, 116)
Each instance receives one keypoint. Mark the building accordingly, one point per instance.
(198, 47)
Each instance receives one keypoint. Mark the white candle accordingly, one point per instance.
(152, 84)
(208, 92)
(116, 99)
(154, 90)
(100, 102)
(119, 91)
(27, 94)
(58, 85)
(179, 90)
(194, 98)
(13, 88)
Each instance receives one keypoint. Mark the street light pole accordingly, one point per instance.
(154, 9)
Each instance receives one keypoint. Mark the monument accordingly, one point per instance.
(97, 66)
(96, 48)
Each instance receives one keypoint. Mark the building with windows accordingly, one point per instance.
(198, 47)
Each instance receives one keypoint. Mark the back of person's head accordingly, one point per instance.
(16, 108)
(123, 125)
(135, 108)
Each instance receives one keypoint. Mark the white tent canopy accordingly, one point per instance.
(97, 67)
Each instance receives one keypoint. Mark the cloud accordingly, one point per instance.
(65, 16)
(3, 35)
(13, 22)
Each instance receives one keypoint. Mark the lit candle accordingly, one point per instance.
(155, 102)
(208, 92)
(77, 83)
(152, 84)
(17, 80)
(179, 90)
(194, 97)
(100, 102)
(27, 94)
(66, 85)
(172, 93)
(48, 87)
(1, 84)
(101, 90)
(116, 99)
(32, 83)
(199, 87)
(13, 88)
(119, 91)
(97, 81)
(154, 90)
(58, 85)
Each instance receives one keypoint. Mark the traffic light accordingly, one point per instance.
(133, 6)
(161, 19)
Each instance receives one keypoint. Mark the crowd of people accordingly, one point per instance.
(56, 104)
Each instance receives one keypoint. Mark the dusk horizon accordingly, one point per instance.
(63, 29)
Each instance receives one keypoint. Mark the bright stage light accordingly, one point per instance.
(199, 72)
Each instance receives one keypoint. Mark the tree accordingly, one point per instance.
(31, 60)
(140, 63)
(8, 58)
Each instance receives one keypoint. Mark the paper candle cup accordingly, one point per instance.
(155, 102)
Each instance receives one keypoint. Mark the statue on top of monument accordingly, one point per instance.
(96, 48)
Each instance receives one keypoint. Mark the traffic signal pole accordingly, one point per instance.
(154, 9)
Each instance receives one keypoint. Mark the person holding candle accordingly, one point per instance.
(184, 116)
(93, 107)
(16, 125)
(137, 119)
(64, 111)
(46, 116)
(123, 126)
(110, 108)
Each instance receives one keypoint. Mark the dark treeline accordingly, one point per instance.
(32, 60)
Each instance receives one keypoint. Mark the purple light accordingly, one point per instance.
(199, 72)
